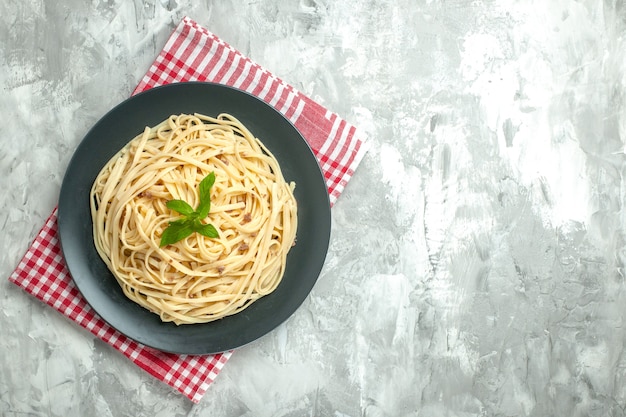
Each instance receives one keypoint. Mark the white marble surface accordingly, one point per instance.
(476, 266)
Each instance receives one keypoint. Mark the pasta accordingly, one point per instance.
(197, 279)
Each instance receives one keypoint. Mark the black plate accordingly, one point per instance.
(97, 284)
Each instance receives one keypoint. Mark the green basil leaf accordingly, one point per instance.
(180, 206)
(205, 195)
(175, 232)
(203, 209)
(205, 186)
(182, 228)
(207, 230)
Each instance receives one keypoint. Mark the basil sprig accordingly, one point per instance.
(192, 221)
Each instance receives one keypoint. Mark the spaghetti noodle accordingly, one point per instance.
(198, 279)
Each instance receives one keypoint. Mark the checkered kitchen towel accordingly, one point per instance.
(192, 53)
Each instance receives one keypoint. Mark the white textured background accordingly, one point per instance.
(476, 266)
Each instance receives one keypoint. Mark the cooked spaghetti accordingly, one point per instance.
(197, 279)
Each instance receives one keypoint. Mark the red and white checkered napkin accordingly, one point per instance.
(193, 54)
